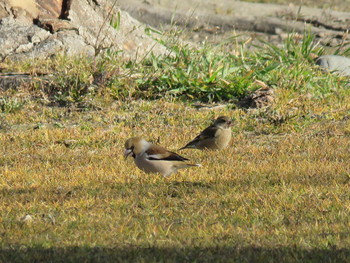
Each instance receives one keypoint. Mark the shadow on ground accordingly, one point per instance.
(156, 254)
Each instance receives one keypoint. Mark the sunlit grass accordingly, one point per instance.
(278, 193)
(265, 191)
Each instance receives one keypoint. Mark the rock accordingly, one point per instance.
(336, 64)
(74, 44)
(15, 36)
(261, 98)
(33, 29)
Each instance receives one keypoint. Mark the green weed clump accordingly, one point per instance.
(211, 75)
(206, 74)
(196, 75)
(10, 105)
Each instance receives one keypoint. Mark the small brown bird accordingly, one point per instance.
(152, 158)
(215, 137)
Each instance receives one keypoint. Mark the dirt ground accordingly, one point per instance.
(246, 22)
(337, 5)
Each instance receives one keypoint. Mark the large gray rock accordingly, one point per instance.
(19, 36)
(32, 29)
(336, 64)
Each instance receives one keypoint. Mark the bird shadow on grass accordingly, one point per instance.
(191, 184)
(157, 254)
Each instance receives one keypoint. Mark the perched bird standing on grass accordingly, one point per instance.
(215, 137)
(152, 158)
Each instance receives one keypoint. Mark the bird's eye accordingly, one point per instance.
(131, 148)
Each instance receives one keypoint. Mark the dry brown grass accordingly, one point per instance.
(277, 192)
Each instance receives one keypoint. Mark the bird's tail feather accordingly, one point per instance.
(186, 165)
(188, 146)
(194, 164)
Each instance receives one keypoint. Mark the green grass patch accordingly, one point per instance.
(206, 74)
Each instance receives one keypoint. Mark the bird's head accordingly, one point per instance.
(135, 146)
(223, 122)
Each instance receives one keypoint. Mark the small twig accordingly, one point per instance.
(103, 24)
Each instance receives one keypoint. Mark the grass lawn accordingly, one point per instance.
(280, 192)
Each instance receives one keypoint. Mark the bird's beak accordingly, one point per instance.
(127, 152)
(229, 123)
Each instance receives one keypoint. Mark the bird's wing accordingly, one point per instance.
(207, 133)
(159, 153)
